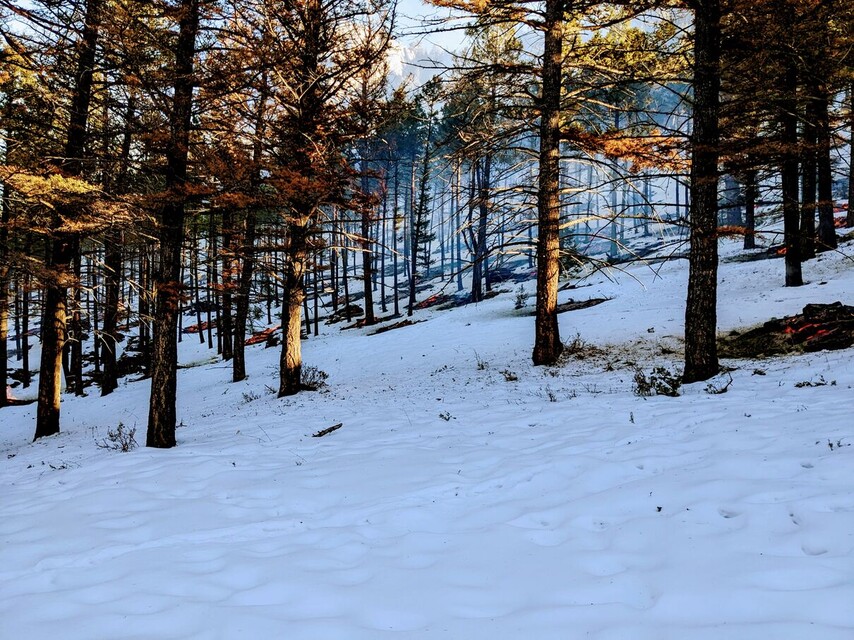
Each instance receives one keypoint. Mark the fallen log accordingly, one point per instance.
(327, 430)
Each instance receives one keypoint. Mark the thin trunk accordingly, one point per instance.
(701, 354)
(195, 280)
(76, 363)
(4, 293)
(826, 226)
(808, 183)
(224, 328)
(383, 244)
(345, 275)
(849, 219)
(247, 251)
(367, 254)
(750, 210)
(25, 328)
(547, 344)
(243, 292)
(394, 239)
(789, 172)
(109, 334)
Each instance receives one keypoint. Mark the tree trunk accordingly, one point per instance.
(25, 328)
(224, 328)
(113, 265)
(290, 362)
(547, 344)
(826, 226)
(808, 181)
(244, 289)
(365, 241)
(247, 267)
(112, 275)
(701, 354)
(162, 414)
(76, 351)
(53, 330)
(4, 294)
(849, 219)
(789, 171)
(62, 247)
(750, 210)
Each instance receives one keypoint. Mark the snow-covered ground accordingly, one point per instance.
(454, 503)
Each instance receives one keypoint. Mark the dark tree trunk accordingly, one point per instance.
(789, 171)
(53, 331)
(25, 328)
(64, 246)
(701, 354)
(849, 219)
(290, 362)
(808, 182)
(113, 265)
(547, 344)
(247, 251)
(76, 341)
(4, 294)
(826, 227)
(109, 334)
(367, 254)
(162, 414)
(345, 273)
(750, 210)
(224, 328)
(484, 184)
(418, 217)
(244, 288)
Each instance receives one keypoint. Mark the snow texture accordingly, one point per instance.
(454, 503)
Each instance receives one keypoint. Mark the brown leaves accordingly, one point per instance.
(650, 151)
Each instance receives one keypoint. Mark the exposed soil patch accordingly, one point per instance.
(818, 327)
(396, 325)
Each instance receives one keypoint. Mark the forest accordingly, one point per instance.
(212, 158)
(600, 208)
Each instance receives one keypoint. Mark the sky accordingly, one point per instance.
(414, 17)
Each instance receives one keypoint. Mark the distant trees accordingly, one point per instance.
(221, 157)
(316, 48)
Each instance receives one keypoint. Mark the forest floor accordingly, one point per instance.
(467, 494)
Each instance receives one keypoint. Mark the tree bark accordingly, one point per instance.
(247, 267)
(109, 333)
(62, 246)
(826, 226)
(547, 344)
(750, 209)
(365, 242)
(849, 219)
(76, 333)
(162, 414)
(4, 293)
(290, 362)
(53, 331)
(808, 181)
(789, 170)
(225, 328)
(701, 353)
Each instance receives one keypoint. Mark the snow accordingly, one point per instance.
(454, 503)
